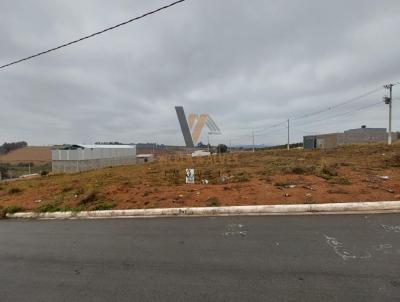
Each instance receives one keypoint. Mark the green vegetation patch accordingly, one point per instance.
(10, 210)
(50, 207)
(393, 161)
(104, 205)
(241, 176)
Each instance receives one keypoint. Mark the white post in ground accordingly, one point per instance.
(252, 134)
(288, 134)
(388, 101)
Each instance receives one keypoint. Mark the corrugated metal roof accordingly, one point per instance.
(107, 146)
(366, 129)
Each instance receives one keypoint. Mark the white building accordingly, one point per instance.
(77, 158)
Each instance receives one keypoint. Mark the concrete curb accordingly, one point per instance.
(295, 209)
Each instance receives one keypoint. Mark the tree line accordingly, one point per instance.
(7, 147)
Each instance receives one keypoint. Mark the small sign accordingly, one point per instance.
(190, 176)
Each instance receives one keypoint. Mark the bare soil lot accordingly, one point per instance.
(351, 173)
(36, 155)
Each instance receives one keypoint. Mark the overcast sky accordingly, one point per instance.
(249, 64)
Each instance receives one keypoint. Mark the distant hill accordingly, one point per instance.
(37, 155)
(8, 147)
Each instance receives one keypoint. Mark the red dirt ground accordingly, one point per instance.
(266, 177)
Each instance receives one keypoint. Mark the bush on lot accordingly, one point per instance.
(104, 206)
(14, 190)
(213, 202)
(10, 210)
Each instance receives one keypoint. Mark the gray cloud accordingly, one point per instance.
(249, 64)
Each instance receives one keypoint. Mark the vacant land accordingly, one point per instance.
(352, 173)
(36, 155)
(25, 160)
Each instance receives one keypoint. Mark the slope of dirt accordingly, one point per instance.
(352, 173)
(38, 155)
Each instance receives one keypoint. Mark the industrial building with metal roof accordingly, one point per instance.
(348, 137)
(77, 158)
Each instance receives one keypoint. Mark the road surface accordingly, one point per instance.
(285, 258)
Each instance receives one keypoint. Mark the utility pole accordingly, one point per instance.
(388, 101)
(208, 141)
(252, 134)
(230, 145)
(288, 134)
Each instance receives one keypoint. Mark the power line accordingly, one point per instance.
(283, 124)
(324, 119)
(340, 114)
(339, 104)
(94, 34)
(274, 130)
(348, 101)
(273, 126)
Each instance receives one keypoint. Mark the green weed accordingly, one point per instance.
(104, 206)
(10, 210)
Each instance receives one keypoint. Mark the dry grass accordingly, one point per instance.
(240, 178)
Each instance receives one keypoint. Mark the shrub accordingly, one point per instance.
(79, 191)
(3, 172)
(339, 181)
(213, 202)
(329, 170)
(326, 171)
(66, 189)
(14, 191)
(393, 161)
(49, 207)
(44, 173)
(221, 148)
(298, 170)
(10, 210)
(241, 177)
(89, 197)
(104, 206)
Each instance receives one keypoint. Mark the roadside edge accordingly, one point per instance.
(292, 209)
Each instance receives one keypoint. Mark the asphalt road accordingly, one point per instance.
(295, 258)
